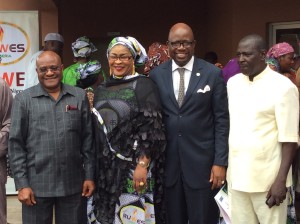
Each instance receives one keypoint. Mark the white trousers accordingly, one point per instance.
(251, 208)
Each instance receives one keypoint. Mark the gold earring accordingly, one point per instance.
(110, 72)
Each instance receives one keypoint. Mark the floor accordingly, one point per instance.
(14, 210)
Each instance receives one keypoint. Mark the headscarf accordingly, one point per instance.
(275, 52)
(83, 47)
(158, 53)
(280, 49)
(137, 51)
(89, 73)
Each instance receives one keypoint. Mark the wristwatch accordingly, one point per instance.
(143, 164)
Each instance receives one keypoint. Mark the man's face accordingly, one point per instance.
(181, 45)
(250, 59)
(49, 69)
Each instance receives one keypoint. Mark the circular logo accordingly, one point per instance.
(14, 43)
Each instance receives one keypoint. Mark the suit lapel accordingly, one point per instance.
(194, 80)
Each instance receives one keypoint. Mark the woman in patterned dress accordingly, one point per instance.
(130, 140)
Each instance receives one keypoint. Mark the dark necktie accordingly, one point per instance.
(181, 87)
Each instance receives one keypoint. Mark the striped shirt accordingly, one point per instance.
(50, 143)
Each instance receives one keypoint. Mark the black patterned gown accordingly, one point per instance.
(131, 112)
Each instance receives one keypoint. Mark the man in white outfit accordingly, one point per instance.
(264, 119)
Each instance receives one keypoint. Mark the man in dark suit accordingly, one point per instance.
(50, 147)
(194, 100)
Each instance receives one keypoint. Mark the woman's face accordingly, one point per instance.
(120, 61)
(286, 61)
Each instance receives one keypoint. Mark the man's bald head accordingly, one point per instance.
(48, 54)
(257, 40)
(181, 26)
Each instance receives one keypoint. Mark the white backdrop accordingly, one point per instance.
(19, 40)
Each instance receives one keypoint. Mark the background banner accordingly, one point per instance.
(19, 40)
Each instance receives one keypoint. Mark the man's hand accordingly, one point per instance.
(26, 196)
(88, 188)
(276, 194)
(217, 176)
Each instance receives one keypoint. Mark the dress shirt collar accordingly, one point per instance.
(188, 66)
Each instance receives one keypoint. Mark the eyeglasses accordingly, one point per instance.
(177, 44)
(44, 70)
(122, 58)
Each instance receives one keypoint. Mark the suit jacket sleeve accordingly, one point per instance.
(221, 116)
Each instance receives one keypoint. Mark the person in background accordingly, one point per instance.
(157, 54)
(6, 100)
(90, 78)
(280, 58)
(230, 69)
(82, 49)
(264, 118)
(296, 64)
(296, 69)
(129, 137)
(195, 112)
(53, 42)
(50, 148)
(212, 58)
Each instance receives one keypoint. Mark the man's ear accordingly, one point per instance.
(263, 54)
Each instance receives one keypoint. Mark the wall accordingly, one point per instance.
(228, 21)
(148, 23)
(218, 25)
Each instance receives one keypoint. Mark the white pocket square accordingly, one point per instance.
(206, 89)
